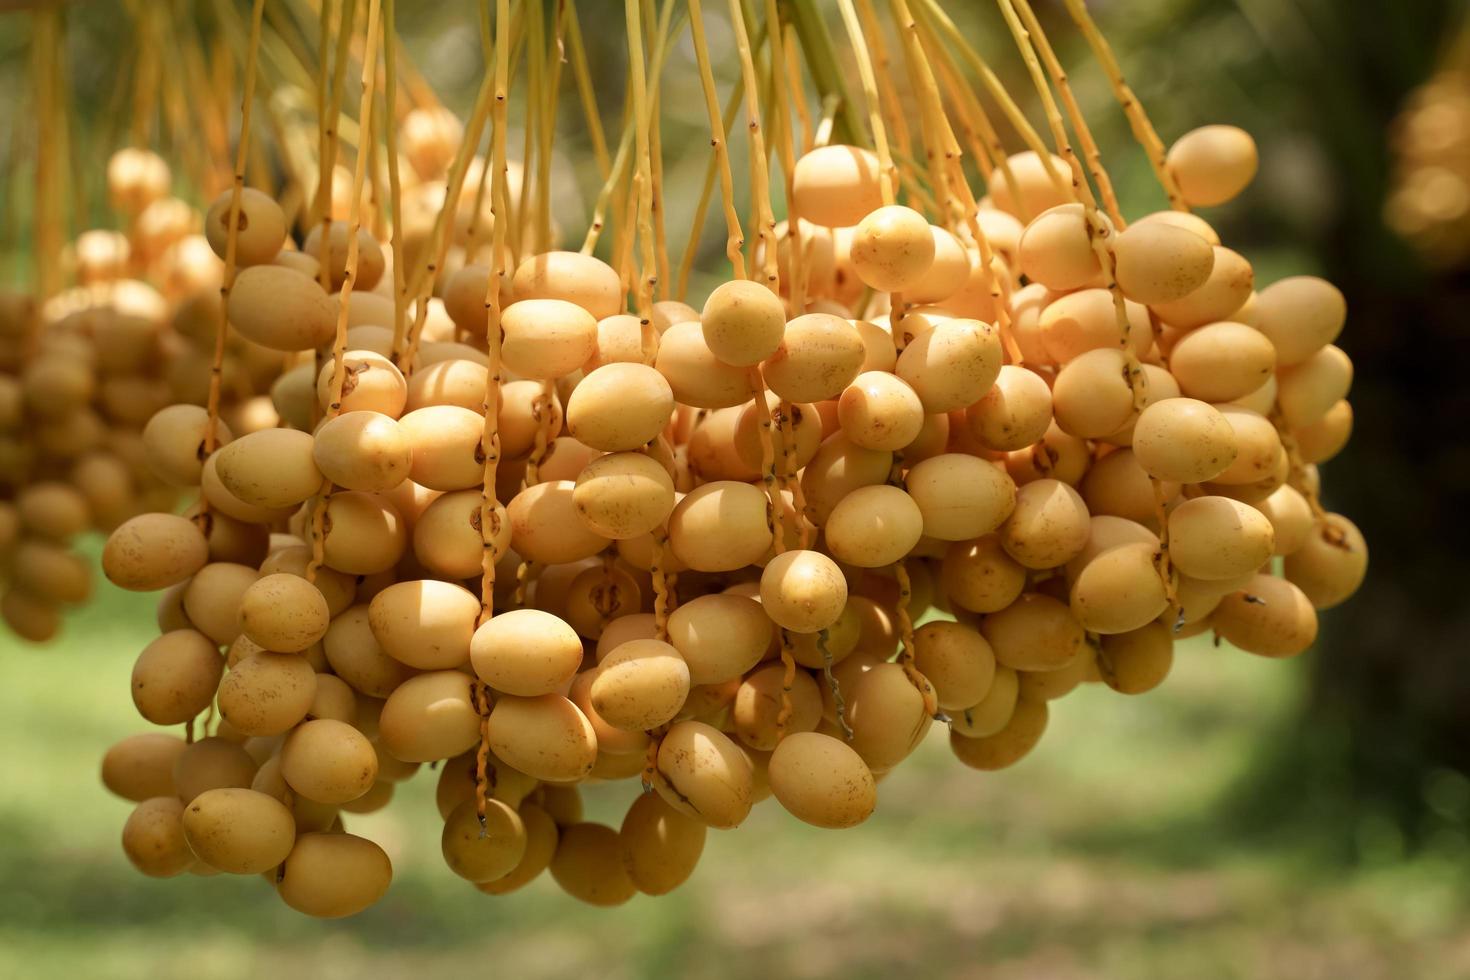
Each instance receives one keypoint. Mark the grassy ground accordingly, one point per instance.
(1109, 853)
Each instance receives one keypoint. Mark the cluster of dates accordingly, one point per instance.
(717, 533)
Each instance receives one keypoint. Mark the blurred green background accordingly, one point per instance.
(1249, 819)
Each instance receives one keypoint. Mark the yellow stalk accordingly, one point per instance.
(735, 239)
(887, 174)
(1074, 112)
(1138, 121)
(760, 190)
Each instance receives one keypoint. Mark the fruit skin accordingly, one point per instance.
(660, 845)
(481, 853)
(702, 774)
(588, 865)
(1270, 617)
(837, 185)
(239, 830)
(282, 309)
(1007, 746)
(743, 322)
(1159, 263)
(153, 551)
(822, 781)
(892, 248)
(803, 591)
(1183, 440)
(1212, 164)
(153, 838)
(1332, 563)
(332, 876)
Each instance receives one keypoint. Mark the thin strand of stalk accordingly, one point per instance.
(906, 638)
(719, 161)
(643, 161)
(395, 185)
(980, 132)
(997, 91)
(643, 107)
(548, 135)
(829, 78)
(475, 234)
(941, 149)
(911, 30)
(612, 187)
(823, 135)
(545, 433)
(625, 181)
(480, 696)
(535, 120)
(921, 80)
(760, 190)
(887, 174)
(490, 404)
(1097, 230)
(895, 119)
(696, 225)
(760, 401)
(788, 680)
(431, 256)
(410, 355)
(1074, 112)
(520, 31)
(379, 171)
(789, 476)
(764, 95)
(985, 143)
(1138, 120)
(227, 282)
(323, 84)
(349, 276)
(913, 185)
(625, 198)
(605, 195)
(371, 144)
(656, 155)
(577, 53)
(794, 85)
(786, 154)
(327, 165)
(701, 209)
(354, 212)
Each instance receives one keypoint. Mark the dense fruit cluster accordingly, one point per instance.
(417, 486)
(87, 379)
(713, 531)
